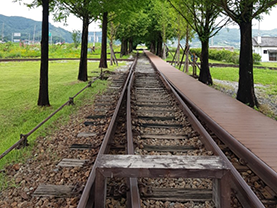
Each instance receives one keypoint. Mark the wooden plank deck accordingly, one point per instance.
(255, 131)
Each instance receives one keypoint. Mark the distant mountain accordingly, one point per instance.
(230, 37)
(12, 27)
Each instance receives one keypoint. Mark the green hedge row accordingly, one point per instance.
(225, 55)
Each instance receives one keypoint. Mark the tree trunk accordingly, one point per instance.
(124, 47)
(205, 75)
(187, 51)
(246, 93)
(43, 99)
(111, 55)
(159, 51)
(103, 59)
(178, 51)
(152, 47)
(164, 51)
(83, 69)
(122, 50)
(130, 45)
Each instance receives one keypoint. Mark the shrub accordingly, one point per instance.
(14, 55)
(225, 55)
(256, 58)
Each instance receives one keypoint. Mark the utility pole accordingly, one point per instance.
(3, 32)
(34, 34)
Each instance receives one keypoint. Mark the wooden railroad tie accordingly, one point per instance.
(59, 191)
(133, 166)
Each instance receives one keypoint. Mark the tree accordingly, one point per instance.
(204, 15)
(115, 8)
(43, 99)
(86, 10)
(76, 38)
(103, 58)
(243, 12)
(165, 19)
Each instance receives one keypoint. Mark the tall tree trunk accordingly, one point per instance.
(205, 75)
(246, 93)
(43, 98)
(187, 50)
(159, 51)
(111, 55)
(152, 47)
(83, 69)
(124, 47)
(103, 59)
(178, 51)
(130, 45)
(122, 50)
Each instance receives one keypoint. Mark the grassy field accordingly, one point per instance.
(19, 113)
(17, 50)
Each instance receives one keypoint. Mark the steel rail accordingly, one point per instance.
(244, 193)
(86, 199)
(56, 59)
(248, 198)
(133, 196)
(268, 175)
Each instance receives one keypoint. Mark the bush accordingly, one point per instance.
(256, 58)
(225, 55)
(14, 55)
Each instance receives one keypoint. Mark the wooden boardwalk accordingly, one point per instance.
(255, 131)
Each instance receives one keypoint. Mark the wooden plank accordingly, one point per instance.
(178, 194)
(157, 166)
(159, 118)
(60, 191)
(163, 136)
(81, 146)
(168, 148)
(86, 134)
(93, 123)
(72, 163)
(157, 125)
(95, 116)
(161, 165)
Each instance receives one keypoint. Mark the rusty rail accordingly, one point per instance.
(56, 59)
(133, 197)
(243, 192)
(23, 137)
(87, 199)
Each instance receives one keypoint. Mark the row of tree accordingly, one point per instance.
(153, 22)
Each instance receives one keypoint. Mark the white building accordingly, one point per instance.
(266, 47)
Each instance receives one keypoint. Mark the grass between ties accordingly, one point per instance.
(19, 113)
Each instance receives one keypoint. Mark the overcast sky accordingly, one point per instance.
(8, 8)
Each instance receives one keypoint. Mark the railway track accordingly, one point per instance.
(141, 146)
(162, 132)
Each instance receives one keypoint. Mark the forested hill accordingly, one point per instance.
(27, 28)
(231, 37)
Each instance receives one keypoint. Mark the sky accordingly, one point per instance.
(8, 8)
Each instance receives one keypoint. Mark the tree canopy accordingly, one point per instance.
(243, 12)
(204, 16)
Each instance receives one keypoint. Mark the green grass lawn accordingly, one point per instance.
(19, 113)
(264, 77)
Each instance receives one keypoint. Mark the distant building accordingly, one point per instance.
(266, 47)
